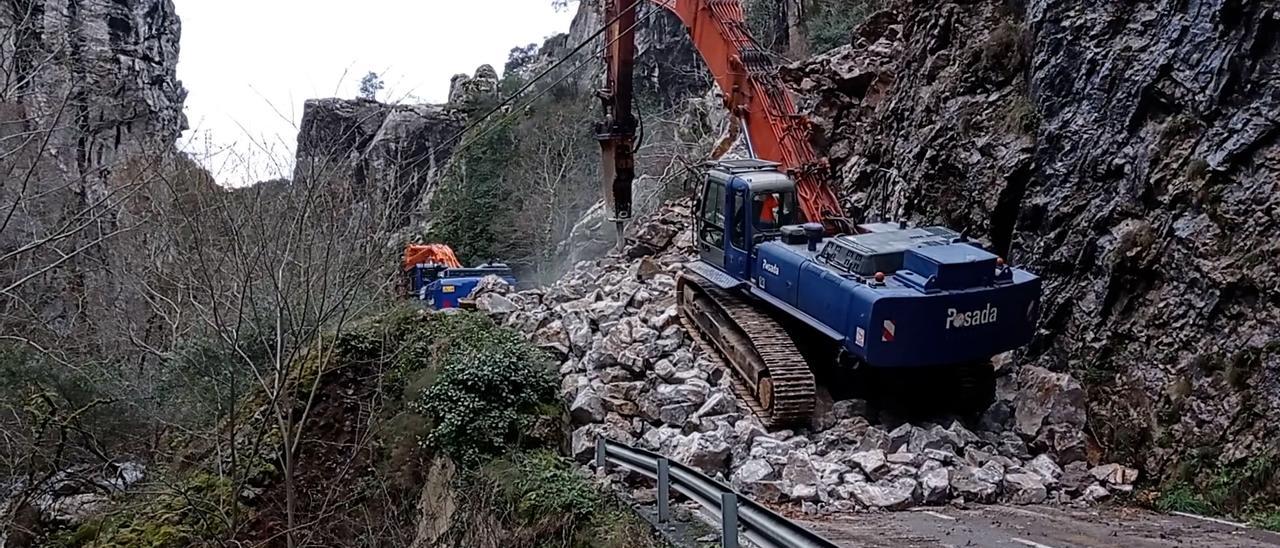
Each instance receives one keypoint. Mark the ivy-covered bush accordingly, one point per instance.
(490, 388)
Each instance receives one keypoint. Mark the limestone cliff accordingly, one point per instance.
(90, 107)
(1126, 152)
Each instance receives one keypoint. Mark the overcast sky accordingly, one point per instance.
(249, 65)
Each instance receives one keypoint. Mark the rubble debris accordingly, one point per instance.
(631, 373)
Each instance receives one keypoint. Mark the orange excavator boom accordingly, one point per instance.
(753, 93)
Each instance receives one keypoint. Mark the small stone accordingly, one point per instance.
(1096, 493)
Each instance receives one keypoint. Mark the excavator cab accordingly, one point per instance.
(742, 203)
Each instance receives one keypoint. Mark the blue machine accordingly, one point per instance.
(442, 288)
(919, 300)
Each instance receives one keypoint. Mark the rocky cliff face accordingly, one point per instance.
(89, 110)
(391, 154)
(667, 67)
(1126, 152)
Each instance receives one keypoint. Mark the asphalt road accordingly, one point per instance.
(1036, 527)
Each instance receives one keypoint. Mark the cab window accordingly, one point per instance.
(772, 210)
(713, 214)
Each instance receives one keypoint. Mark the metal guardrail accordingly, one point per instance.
(758, 524)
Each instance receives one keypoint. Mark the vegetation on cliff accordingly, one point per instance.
(383, 400)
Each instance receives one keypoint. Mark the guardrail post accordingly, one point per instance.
(600, 453)
(664, 490)
(729, 520)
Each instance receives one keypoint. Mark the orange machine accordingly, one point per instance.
(753, 93)
(416, 254)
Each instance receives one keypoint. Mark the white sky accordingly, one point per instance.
(249, 65)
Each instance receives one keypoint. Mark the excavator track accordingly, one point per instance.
(767, 370)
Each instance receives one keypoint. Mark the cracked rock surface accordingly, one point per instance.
(1128, 154)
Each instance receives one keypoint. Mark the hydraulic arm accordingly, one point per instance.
(753, 94)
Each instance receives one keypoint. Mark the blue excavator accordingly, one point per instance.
(784, 285)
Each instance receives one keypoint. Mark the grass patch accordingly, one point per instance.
(1246, 491)
(547, 501)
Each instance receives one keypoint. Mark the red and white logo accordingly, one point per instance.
(886, 334)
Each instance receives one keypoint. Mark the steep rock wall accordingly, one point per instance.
(90, 107)
(1125, 152)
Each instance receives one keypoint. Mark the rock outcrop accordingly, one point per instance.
(390, 155)
(632, 373)
(667, 66)
(1127, 153)
(468, 93)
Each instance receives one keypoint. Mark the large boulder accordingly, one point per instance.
(706, 451)
(872, 463)
(1047, 398)
(935, 482)
(587, 407)
(974, 484)
(1024, 489)
(890, 495)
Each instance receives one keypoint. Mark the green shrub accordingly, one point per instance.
(1181, 497)
(542, 483)
(831, 22)
(491, 387)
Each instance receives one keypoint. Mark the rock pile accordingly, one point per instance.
(631, 373)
